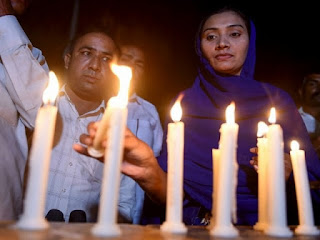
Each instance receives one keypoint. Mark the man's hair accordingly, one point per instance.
(88, 29)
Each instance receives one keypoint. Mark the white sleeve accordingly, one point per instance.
(25, 69)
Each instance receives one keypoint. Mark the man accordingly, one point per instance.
(310, 107)
(75, 179)
(23, 77)
(143, 118)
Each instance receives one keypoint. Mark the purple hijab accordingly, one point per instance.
(204, 107)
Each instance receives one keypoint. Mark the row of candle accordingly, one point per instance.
(225, 167)
(271, 183)
(272, 199)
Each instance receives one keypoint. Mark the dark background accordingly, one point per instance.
(288, 43)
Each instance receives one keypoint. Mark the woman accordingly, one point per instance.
(226, 48)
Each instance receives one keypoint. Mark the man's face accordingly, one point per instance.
(133, 57)
(311, 91)
(88, 66)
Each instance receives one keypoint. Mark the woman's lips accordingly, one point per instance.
(223, 57)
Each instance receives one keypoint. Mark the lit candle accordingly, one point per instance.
(115, 127)
(227, 178)
(262, 177)
(306, 226)
(39, 162)
(175, 143)
(277, 217)
(124, 73)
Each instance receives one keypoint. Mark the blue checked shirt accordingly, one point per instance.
(74, 179)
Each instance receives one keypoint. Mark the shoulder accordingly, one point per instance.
(145, 103)
(148, 108)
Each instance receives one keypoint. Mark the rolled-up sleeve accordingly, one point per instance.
(26, 71)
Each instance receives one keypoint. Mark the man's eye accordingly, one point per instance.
(106, 59)
(140, 65)
(85, 53)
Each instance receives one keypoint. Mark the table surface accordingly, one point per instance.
(62, 231)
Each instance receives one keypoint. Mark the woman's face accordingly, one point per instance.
(225, 42)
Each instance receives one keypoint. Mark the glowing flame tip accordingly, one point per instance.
(51, 92)
(272, 117)
(176, 111)
(230, 113)
(295, 145)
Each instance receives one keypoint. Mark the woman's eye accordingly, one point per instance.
(210, 37)
(235, 34)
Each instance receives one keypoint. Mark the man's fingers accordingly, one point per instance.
(80, 149)
(86, 139)
(254, 150)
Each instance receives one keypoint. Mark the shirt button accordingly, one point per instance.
(64, 190)
(76, 140)
(70, 164)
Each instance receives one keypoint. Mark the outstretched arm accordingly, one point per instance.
(138, 163)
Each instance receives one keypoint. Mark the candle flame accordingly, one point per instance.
(176, 110)
(262, 129)
(230, 113)
(51, 92)
(295, 145)
(124, 73)
(272, 117)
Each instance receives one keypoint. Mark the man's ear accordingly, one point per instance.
(66, 59)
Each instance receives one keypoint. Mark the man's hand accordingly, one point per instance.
(138, 162)
(13, 7)
(6, 8)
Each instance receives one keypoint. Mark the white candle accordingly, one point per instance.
(116, 123)
(306, 226)
(175, 143)
(262, 177)
(277, 224)
(226, 189)
(215, 165)
(125, 73)
(39, 162)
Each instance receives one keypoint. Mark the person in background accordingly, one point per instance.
(309, 94)
(23, 77)
(143, 118)
(225, 45)
(75, 180)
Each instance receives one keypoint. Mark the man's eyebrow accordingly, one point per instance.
(94, 49)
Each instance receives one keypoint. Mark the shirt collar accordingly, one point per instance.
(134, 98)
(100, 108)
